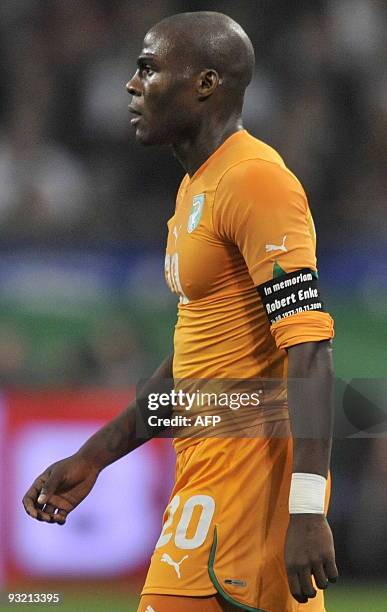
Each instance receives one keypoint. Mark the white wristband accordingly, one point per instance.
(307, 493)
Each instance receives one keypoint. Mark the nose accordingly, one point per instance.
(131, 87)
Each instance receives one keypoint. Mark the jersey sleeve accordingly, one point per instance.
(261, 208)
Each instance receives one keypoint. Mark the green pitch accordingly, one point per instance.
(340, 598)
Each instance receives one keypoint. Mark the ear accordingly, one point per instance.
(208, 80)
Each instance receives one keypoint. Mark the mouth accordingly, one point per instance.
(136, 112)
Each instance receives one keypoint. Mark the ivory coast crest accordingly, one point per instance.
(196, 212)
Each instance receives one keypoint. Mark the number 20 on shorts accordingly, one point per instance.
(207, 505)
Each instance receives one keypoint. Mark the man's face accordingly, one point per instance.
(163, 90)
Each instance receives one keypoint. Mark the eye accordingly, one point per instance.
(146, 69)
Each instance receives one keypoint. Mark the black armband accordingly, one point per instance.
(290, 294)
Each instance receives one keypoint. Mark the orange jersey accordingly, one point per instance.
(240, 221)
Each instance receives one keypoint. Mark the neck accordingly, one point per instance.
(194, 151)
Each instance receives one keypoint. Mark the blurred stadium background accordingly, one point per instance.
(83, 307)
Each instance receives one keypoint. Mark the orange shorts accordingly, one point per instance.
(177, 603)
(225, 525)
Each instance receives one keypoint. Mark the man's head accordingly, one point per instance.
(192, 65)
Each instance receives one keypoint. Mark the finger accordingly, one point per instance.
(331, 570)
(305, 579)
(60, 516)
(30, 498)
(295, 588)
(44, 517)
(319, 575)
(49, 487)
(29, 506)
(61, 503)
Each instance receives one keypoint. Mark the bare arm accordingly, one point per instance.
(309, 549)
(119, 437)
(310, 398)
(64, 484)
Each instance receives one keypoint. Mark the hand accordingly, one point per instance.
(309, 551)
(61, 487)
